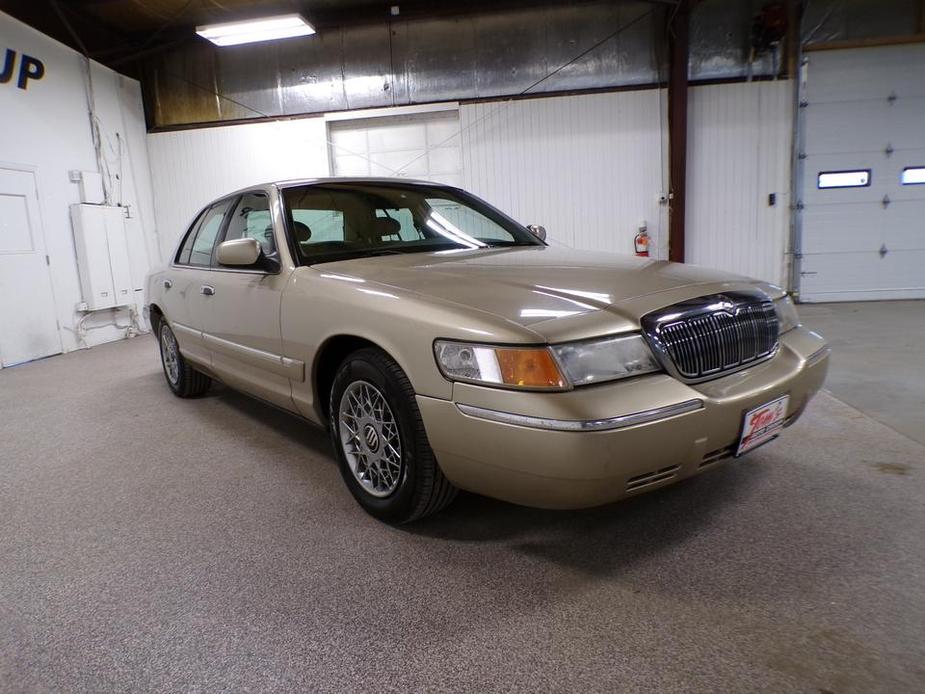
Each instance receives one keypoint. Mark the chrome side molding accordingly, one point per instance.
(607, 424)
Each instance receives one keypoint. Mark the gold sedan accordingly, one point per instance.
(447, 347)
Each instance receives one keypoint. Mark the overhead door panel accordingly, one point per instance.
(833, 128)
(899, 226)
(424, 146)
(862, 114)
(867, 73)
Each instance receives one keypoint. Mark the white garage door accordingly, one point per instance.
(862, 224)
(424, 146)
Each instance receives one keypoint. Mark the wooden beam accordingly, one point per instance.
(864, 43)
(790, 62)
(678, 54)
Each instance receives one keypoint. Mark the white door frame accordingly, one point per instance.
(32, 169)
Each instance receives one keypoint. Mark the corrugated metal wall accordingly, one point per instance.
(410, 61)
(589, 167)
(189, 168)
(739, 146)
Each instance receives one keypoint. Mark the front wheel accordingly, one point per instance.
(182, 378)
(380, 441)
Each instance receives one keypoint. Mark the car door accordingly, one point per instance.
(187, 281)
(242, 310)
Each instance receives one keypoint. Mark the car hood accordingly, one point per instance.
(556, 293)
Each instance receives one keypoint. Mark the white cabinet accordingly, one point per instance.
(102, 255)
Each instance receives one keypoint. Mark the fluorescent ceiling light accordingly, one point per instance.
(283, 26)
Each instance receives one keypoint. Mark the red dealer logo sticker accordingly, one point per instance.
(762, 424)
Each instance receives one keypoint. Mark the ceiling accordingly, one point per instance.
(121, 32)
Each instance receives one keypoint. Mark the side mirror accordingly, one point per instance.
(239, 253)
(538, 231)
(245, 253)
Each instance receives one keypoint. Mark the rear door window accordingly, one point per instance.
(197, 249)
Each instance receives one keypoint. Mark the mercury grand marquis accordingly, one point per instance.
(445, 346)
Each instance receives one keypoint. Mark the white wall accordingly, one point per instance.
(739, 144)
(190, 168)
(588, 167)
(46, 128)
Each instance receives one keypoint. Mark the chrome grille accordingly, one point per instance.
(713, 335)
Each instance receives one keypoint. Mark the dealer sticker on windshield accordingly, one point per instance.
(763, 424)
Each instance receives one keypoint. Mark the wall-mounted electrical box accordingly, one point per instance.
(102, 256)
(90, 184)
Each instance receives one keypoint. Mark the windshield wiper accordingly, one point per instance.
(506, 244)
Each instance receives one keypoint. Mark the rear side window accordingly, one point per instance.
(183, 256)
(251, 220)
(197, 248)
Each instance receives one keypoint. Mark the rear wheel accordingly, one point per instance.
(380, 441)
(183, 379)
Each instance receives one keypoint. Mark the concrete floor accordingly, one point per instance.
(153, 544)
(878, 358)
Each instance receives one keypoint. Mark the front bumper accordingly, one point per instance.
(598, 444)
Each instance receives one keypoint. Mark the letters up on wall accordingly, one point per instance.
(29, 69)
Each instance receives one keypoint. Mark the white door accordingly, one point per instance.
(28, 327)
(862, 221)
(423, 146)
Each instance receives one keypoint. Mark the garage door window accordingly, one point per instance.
(859, 178)
(913, 176)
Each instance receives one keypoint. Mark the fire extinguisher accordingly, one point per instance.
(641, 241)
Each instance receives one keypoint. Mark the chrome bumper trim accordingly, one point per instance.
(818, 356)
(608, 424)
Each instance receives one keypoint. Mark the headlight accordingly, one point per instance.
(606, 359)
(515, 367)
(786, 314)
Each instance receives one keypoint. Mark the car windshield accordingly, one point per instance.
(337, 221)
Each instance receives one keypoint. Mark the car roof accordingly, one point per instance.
(288, 183)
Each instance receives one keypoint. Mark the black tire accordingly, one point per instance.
(188, 382)
(421, 487)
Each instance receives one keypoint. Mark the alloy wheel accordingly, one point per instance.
(370, 438)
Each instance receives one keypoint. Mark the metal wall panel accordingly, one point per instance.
(720, 34)
(739, 147)
(501, 53)
(189, 168)
(587, 167)
(839, 20)
(425, 146)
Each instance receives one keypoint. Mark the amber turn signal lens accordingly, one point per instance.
(529, 368)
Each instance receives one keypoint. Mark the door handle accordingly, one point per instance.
(167, 284)
(207, 290)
